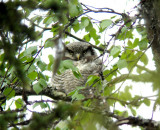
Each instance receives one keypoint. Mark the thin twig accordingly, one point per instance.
(100, 10)
(71, 35)
(4, 77)
(133, 67)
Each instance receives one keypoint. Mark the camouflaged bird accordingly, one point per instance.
(85, 58)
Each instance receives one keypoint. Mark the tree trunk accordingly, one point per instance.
(150, 10)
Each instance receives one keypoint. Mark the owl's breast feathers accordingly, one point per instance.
(89, 66)
(67, 82)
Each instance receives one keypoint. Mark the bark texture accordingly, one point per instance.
(150, 10)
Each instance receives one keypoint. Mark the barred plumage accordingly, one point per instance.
(85, 59)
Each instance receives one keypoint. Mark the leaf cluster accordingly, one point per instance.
(24, 73)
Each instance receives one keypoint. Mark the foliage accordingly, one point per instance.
(24, 73)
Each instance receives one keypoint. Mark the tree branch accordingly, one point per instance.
(48, 91)
(145, 77)
(100, 10)
(71, 35)
(137, 121)
(145, 69)
(134, 121)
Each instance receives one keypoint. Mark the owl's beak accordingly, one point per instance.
(78, 56)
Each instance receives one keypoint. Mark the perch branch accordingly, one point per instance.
(134, 121)
(48, 91)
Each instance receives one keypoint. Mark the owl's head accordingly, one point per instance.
(79, 50)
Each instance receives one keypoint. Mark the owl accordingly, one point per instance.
(85, 58)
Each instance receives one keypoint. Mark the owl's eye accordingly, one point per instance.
(70, 52)
(85, 51)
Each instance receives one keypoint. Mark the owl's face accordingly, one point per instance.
(78, 50)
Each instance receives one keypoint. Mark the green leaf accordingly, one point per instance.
(43, 105)
(129, 43)
(42, 76)
(91, 79)
(9, 92)
(104, 24)
(49, 43)
(41, 65)
(33, 75)
(144, 59)
(128, 54)
(76, 26)
(30, 51)
(147, 102)
(84, 22)
(89, 27)
(113, 17)
(108, 74)
(75, 95)
(73, 10)
(35, 105)
(127, 92)
(93, 33)
(19, 103)
(121, 113)
(128, 34)
(133, 111)
(125, 33)
(97, 41)
(68, 64)
(74, 1)
(115, 51)
(77, 89)
(55, 29)
(87, 37)
(43, 82)
(131, 64)
(77, 74)
(125, 95)
(48, 20)
(37, 87)
(143, 44)
(135, 43)
(139, 70)
(122, 63)
(141, 30)
(37, 19)
(51, 61)
(31, 69)
(27, 12)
